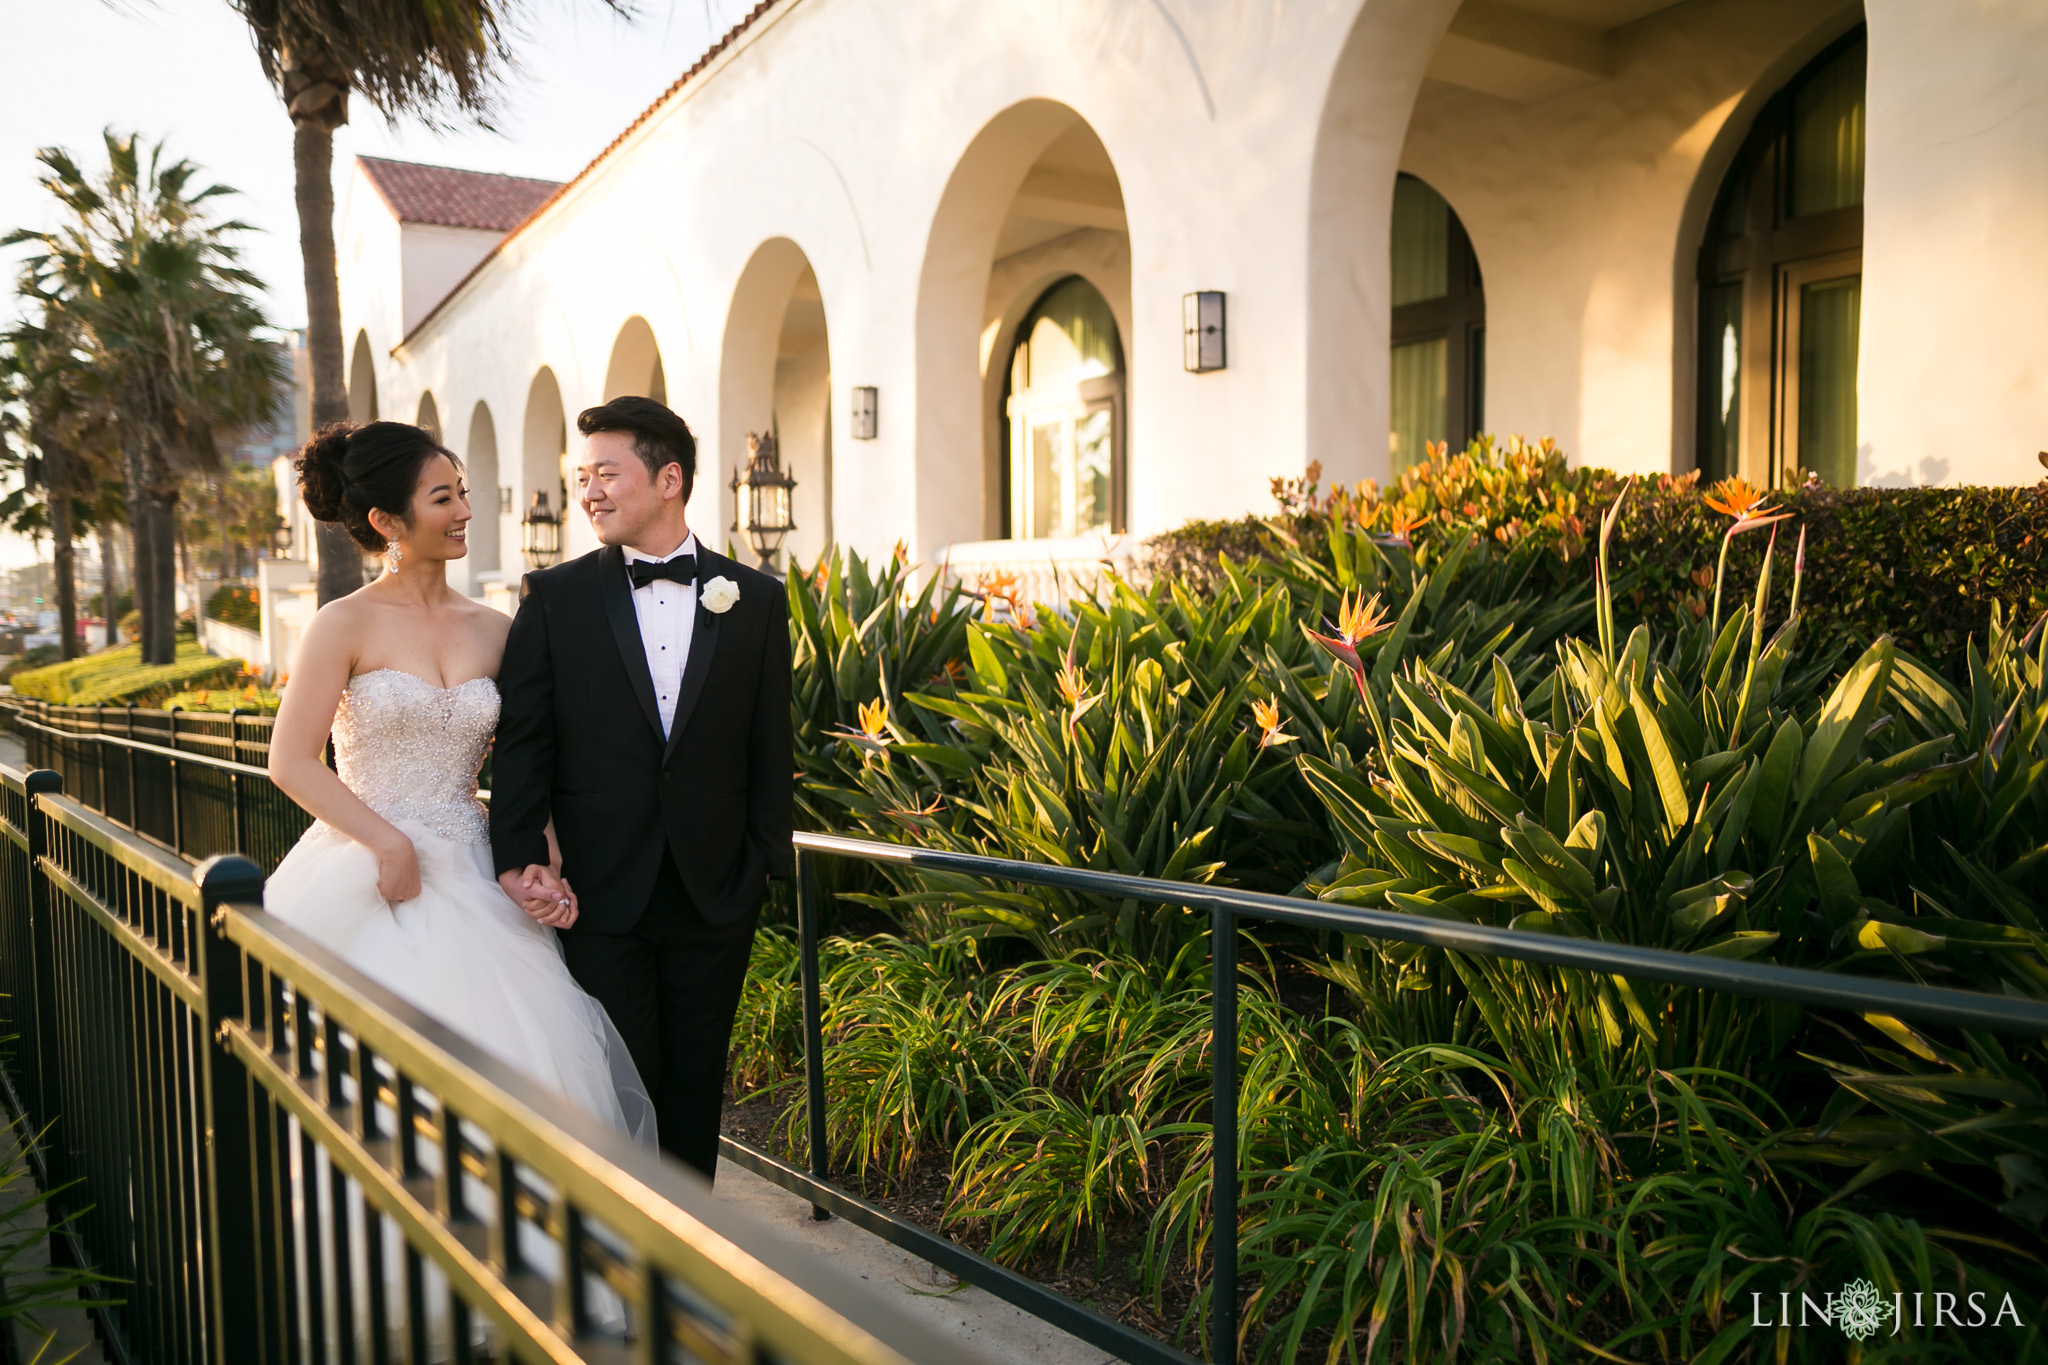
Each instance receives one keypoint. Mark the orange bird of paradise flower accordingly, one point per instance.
(1356, 621)
(1266, 715)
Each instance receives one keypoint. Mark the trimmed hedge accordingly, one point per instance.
(1923, 565)
(236, 605)
(117, 677)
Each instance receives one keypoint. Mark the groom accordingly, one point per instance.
(646, 713)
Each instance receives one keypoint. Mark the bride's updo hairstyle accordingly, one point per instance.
(348, 471)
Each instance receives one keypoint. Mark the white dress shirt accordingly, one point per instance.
(668, 616)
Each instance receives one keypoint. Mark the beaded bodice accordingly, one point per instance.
(412, 750)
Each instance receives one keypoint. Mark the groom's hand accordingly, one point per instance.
(543, 895)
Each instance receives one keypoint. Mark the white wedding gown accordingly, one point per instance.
(461, 950)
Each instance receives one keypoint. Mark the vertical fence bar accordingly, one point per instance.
(814, 1017)
(42, 952)
(230, 1166)
(1223, 1135)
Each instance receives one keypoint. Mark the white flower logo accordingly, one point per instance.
(1859, 1311)
(719, 595)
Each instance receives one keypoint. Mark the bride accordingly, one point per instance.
(395, 875)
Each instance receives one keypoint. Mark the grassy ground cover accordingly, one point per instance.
(1445, 1158)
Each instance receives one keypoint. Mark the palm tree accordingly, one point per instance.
(57, 409)
(167, 314)
(406, 58)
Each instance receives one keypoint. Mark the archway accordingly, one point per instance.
(635, 366)
(1372, 92)
(487, 507)
(1033, 199)
(1780, 283)
(544, 443)
(428, 417)
(776, 376)
(362, 382)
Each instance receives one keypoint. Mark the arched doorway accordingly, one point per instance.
(1063, 468)
(1781, 284)
(776, 377)
(1437, 344)
(428, 417)
(543, 446)
(487, 506)
(1033, 201)
(362, 382)
(635, 366)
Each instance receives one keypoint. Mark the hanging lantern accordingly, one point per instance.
(762, 508)
(540, 533)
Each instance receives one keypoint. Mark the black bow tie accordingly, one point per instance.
(681, 569)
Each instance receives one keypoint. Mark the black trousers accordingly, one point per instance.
(672, 985)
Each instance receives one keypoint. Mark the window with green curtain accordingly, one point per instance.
(1417, 390)
(1830, 313)
(1782, 257)
(1437, 353)
(1827, 135)
(1077, 309)
(1421, 242)
(1720, 380)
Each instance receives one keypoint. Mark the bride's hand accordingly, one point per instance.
(398, 870)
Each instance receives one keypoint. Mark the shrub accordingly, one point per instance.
(235, 605)
(250, 697)
(1923, 565)
(117, 677)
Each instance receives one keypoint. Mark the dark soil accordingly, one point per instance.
(1115, 1289)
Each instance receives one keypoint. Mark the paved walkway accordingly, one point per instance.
(981, 1322)
(12, 754)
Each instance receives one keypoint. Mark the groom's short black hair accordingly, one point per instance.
(659, 436)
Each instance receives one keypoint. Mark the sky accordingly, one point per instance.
(184, 71)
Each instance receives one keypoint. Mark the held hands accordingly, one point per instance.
(542, 893)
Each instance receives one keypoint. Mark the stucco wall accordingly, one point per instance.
(1954, 358)
(880, 143)
(1577, 208)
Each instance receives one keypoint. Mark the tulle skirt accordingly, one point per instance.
(462, 952)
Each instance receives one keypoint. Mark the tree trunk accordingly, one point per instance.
(160, 619)
(141, 557)
(318, 104)
(110, 599)
(64, 564)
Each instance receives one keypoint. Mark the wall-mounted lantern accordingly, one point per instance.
(761, 506)
(1201, 318)
(504, 500)
(864, 398)
(540, 533)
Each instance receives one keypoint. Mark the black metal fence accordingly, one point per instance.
(192, 781)
(1227, 908)
(279, 1161)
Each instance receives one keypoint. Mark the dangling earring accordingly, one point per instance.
(393, 552)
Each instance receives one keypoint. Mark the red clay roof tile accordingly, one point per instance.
(418, 193)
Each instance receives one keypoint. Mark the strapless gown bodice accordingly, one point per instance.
(412, 750)
(461, 949)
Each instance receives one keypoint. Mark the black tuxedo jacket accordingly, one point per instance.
(579, 739)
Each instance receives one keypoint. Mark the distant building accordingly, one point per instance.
(949, 254)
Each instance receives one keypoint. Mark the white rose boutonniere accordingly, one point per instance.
(719, 595)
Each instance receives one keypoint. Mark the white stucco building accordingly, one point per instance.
(1746, 235)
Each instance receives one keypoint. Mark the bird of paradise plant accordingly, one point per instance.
(1745, 507)
(1266, 715)
(1357, 621)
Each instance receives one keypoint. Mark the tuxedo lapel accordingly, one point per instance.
(618, 609)
(703, 644)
